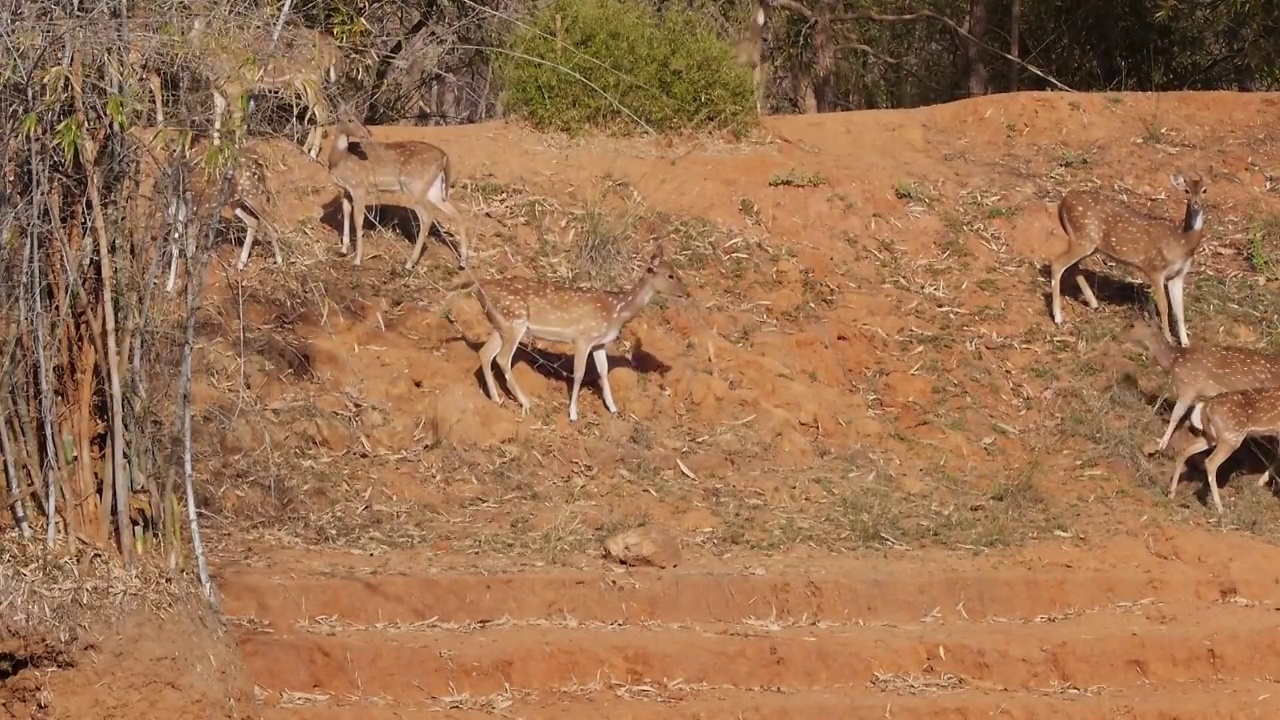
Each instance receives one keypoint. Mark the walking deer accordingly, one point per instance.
(1202, 372)
(299, 63)
(587, 319)
(1227, 420)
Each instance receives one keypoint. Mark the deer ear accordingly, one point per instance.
(1178, 181)
(658, 253)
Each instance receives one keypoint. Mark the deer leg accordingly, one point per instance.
(251, 227)
(487, 354)
(1060, 265)
(1177, 284)
(274, 237)
(437, 196)
(1226, 446)
(1266, 474)
(601, 358)
(319, 111)
(323, 118)
(510, 343)
(757, 80)
(1197, 446)
(424, 229)
(1162, 303)
(346, 223)
(1179, 409)
(156, 94)
(1087, 292)
(579, 369)
(239, 121)
(219, 109)
(450, 210)
(357, 219)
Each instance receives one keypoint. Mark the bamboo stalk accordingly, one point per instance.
(46, 402)
(90, 151)
(24, 450)
(162, 499)
(108, 489)
(75, 477)
(83, 432)
(195, 287)
(11, 476)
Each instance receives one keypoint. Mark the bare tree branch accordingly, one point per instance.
(868, 50)
(805, 12)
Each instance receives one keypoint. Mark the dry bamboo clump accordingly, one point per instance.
(95, 423)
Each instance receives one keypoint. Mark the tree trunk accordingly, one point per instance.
(751, 51)
(824, 57)
(1015, 25)
(976, 26)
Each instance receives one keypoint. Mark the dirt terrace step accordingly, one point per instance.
(837, 592)
(1112, 649)
(1199, 701)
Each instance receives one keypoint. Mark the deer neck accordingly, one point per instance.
(635, 300)
(338, 149)
(1192, 226)
(1164, 352)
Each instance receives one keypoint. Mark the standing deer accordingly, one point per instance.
(1203, 371)
(415, 173)
(252, 201)
(1162, 251)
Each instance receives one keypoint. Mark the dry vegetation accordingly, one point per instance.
(896, 483)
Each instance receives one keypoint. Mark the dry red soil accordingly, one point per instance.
(901, 492)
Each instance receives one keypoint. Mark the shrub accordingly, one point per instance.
(668, 70)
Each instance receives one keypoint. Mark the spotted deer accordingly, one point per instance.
(1163, 252)
(299, 63)
(414, 173)
(1227, 420)
(1203, 372)
(251, 200)
(587, 319)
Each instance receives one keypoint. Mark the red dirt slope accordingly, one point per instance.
(901, 491)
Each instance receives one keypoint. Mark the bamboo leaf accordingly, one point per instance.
(28, 124)
(68, 137)
(117, 111)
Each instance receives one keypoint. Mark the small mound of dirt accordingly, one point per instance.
(192, 670)
(76, 630)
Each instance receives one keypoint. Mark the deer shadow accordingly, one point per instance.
(1255, 456)
(1108, 289)
(554, 365)
(402, 219)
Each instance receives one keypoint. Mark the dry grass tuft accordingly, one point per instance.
(604, 234)
(913, 684)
